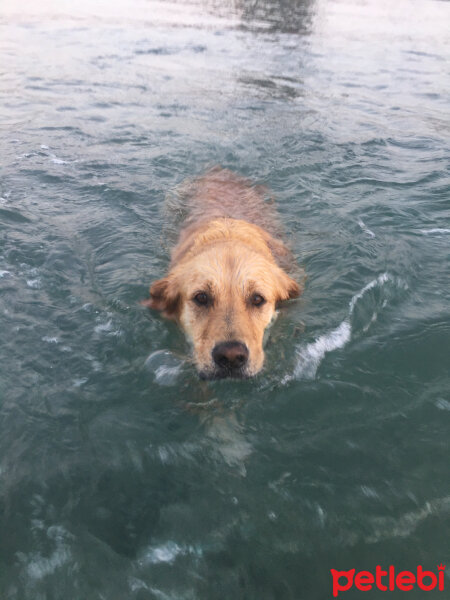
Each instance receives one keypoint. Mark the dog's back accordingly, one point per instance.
(221, 193)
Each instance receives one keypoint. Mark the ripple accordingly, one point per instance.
(165, 367)
(435, 231)
(405, 525)
(365, 228)
(310, 356)
(34, 284)
(167, 553)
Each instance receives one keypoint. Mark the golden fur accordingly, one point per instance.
(226, 260)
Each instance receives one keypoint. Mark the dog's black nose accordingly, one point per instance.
(230, 356)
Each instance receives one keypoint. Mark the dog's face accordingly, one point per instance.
(224, 298)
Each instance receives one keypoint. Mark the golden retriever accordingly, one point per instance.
(226, 275)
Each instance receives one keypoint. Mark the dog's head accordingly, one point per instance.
(224, 298)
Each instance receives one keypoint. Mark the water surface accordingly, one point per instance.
(121, 474)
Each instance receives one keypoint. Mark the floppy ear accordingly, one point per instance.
(164, 296)
(287, 288)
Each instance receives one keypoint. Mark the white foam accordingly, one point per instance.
(60, 161)
(50, 340)
(57, 161)
(34, 284)
(96, 365)
(167, 553)
(166, 375)
(443, 404)
(165, 366)
(41, 566)
(436, 230)
(137, 584)
(3, 273)
(310, 356)
(403, 526)
(102, 327)
(383, 278)
(365, 228)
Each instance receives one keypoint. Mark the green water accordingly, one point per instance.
(122, 476)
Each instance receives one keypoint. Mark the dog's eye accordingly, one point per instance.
(257, 300)
(201, 299)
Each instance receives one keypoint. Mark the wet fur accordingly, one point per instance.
(225, 250)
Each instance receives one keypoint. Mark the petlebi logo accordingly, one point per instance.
(388, 580)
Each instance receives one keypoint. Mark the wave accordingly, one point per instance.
(165, 366)
(436, 230)
(365, 228)
(309, 356)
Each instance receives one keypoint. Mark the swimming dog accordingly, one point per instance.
(226, 276)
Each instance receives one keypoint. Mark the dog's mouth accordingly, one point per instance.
(230, 360)
(224, 373)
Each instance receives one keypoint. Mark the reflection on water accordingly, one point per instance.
(283, 16)
(121, 474)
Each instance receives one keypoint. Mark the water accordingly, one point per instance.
(121, 474)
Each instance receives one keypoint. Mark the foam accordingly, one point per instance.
(50, 340)
(167, 553)
(310, 356)
(443, 404)
(380, 280)
(103, 327)
(39, 566)
(79, 382)
(365, 228)
(165, 366)
(387, 528)
(34, 284)
(106, 327)
(59, 161)
(436, 230)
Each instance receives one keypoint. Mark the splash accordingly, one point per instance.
(365, 228)
(310, 356)
(165, 366)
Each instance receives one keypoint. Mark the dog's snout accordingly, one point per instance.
(230, 355)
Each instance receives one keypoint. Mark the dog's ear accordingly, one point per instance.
(287, 288)
(164, 296)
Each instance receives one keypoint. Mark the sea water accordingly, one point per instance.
(122, 475)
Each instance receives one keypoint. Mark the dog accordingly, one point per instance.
(227, 275)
